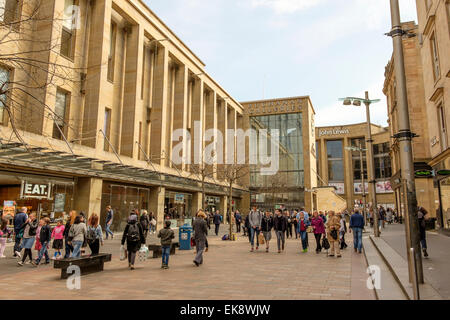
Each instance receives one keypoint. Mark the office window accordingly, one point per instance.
(442, 128)
(9, 11)
(61, 106)
(382, 161)
(356, 159)
(107, 128)
(67, 33)
(4, 80)
(335, 161)
(112, 51)
(435, 56)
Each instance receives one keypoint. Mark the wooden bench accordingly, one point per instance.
(157, 251)
(87, 264)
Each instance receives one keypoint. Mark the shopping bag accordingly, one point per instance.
(310, 229)
(192, 242)
(325, 243)
(143, 253)
(123, 253)
(261, 239)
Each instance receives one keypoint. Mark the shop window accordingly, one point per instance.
(67, 32)
(112, 51)
(335, 160)
(442, 128)
(382, 161)
(107, 128)
(4, 80)
(61, 106)
(435, 56)
(356, 159)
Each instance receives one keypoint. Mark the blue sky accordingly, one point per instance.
(282, 48)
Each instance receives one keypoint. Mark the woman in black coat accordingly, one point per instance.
(134, 236)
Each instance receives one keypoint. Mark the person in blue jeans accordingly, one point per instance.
(357, 225)
(78, 234)
(302, 230)
(44, 238)
(255, 218)
(109, 220)
(166, 235)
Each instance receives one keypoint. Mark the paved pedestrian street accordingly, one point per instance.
(230, 272)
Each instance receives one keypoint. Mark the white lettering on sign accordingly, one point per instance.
(334, 131)
(34, 190)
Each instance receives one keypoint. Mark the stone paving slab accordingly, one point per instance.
(230, 272)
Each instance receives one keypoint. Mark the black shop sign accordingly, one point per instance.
(31, 190)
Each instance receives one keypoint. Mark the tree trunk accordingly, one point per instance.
(230, 199)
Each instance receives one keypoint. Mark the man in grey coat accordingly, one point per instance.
(255, 218)
(200, 232)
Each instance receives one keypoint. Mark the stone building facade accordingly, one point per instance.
(118, 84)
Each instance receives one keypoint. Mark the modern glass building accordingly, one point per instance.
(286, 185)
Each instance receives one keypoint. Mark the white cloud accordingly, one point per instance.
(337, 114)
(285, 6)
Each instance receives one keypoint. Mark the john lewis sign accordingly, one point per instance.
(333, 131)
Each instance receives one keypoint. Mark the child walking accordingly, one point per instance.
(166, 236)
(37, 244)
(58, 236)
(44, 238)
(5, 233)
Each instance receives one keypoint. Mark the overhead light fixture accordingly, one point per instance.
(357, 103)
(347, 102)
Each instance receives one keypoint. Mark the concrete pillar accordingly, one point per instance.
(348, 178)
(159, 105)
(196, 202)
(156, 205)
(88, 195)
(197, 115)
(131, 108)
(180, 111)
(324, 162)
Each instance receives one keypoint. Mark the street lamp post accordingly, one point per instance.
(405, 137)
(361, 159)
(370, 162)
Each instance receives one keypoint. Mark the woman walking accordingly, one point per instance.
(28, 239)
(78, 234)
(200, 234)
(266, 227)
(134, 236)
(342, 232)
(69, 223)
(94, 234)
(302, 230)
(333, 226)
(319, 229)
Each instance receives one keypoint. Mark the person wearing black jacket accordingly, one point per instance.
(266, 227)
(247, 228)
(144, 220)
(134, 236)
(44, 237)
(280, 225)
(29, 236)
(217, 219)
(68, 245)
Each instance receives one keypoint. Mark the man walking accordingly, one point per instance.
(357, 226)
(238, 219)
(109, 220)
(255, 218)
(200, 233)
(217, 220)
(19, 226)
(280, 226)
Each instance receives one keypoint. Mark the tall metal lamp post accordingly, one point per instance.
(370, 162)
(361, 159)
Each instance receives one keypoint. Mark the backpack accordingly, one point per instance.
(33, 228)
(91, 234)
(133, 233)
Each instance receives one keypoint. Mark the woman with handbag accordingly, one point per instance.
(77, 233)
(134, 236)
(319, 229)
(333, 226)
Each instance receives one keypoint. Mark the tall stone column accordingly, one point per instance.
(348, 178)
(224, 207)
(88, 195)
(156, 205)
(159, 105)
(180, 112)
(196, 202)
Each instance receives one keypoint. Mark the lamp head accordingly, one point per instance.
(347, 102)
(357, 103)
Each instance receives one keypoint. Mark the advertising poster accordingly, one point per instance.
(340, 186)
(9, 208)
(384, 187)
(357, 187)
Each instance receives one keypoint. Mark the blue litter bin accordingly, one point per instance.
(185, 237)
